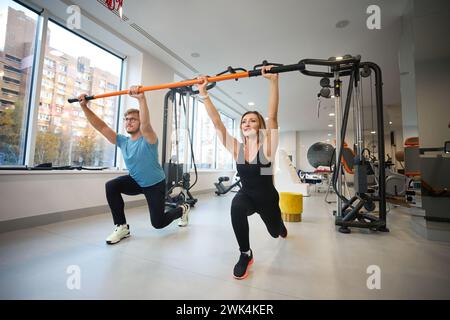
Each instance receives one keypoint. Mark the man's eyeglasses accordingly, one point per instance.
(130, 119)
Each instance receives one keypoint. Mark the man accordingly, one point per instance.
(140, 152)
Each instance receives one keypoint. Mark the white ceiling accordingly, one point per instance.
(242, 33)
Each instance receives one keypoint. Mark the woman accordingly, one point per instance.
(254, 164)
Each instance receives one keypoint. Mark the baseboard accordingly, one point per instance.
(43, 219)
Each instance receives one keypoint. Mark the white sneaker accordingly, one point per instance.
(120, 232)
(184, 220)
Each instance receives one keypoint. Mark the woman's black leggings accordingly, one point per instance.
(243, 206)
(155, 195)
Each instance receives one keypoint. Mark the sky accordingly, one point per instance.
(69, 43)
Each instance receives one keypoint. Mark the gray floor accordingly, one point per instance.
(314, 262)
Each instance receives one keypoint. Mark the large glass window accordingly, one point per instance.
(180, 129)
(204, 138)
(224, 158)
(17, 44)
(209, 151)
(72, 66)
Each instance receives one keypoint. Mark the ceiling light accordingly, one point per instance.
(328, 140)
(251, 104)
(195, 54)
(373, 132)
(390, 122)
(332, 96)
(329, 134)
(338, 58)
(330, 125)
(331, 114)
(342, 24)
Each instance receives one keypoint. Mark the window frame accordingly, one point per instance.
(32, 98)
(194, 132)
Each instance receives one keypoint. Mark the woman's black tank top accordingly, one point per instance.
(256, 175)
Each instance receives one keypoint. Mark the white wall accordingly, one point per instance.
(410, 131)
(433, 106)
(26, 194)
(288, 142)
(407, 74)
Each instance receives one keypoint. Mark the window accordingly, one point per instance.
(48, 73)
(12, 69)
(49, 63)
(47, 95)
(182, 148)
(17, 34)
(43, 116)
(47, 83)
(59, 100)
(111, 86)
(61, 79)
(209, 151)
(62, 68)
(70, 66)
(204, 139)
(224, 158)
(9, 93)
(69, 139)
(11, 80)
(12, 58)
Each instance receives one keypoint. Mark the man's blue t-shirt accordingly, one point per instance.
(141, 159)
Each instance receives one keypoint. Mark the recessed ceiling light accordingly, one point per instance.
(251, 103)
(342, 24)
(390, 122)
(195, 54)
(330, 125)
(331, 114)
(373, 132)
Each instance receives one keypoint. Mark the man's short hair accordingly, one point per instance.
(130, 111)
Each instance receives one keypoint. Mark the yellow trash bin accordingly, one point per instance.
(291, 205)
